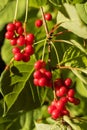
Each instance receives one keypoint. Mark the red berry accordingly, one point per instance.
(42, 82)
(48, 16)
(55, 114)
(48, 74)
(13, 41)
(18, 56)
(68, 82)
(54, 102)
(37, 74)
(51, 109)
(64, 100)
(76, 101)
(63, 90)
(10, 27)
(71, 99)
(21, 41)
(25, 57)
(20, 30)
(71, 93)
(18, 24)
(16, 50)
(9, 35)
(58, 92)
(36, 82)
(39, 64)
(30, 38)
(58, 82)
(60, 105)
(38, 23)
(29, 49)
(65, 112)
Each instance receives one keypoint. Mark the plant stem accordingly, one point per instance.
(26, 13)
(47, 35)
(16, 10)
(44, 22)
(7, 66)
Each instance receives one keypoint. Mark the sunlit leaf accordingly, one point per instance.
(73, 23)
(82, 11)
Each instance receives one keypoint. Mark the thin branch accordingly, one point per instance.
(68, 67)
(16, 9)
(26, 13)
(7, 66)
(44, 22)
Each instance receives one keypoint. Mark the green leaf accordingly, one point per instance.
(18, 89)
(81, 88)
(27, 119)
(82, 11)
(37, 3)
(75, 58)
(80, 76)
(42, 126)
(71, 123)
(58, 2)
(71, 21)
(8, 11)
(6, 51)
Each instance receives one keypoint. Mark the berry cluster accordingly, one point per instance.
(65, 94)
(23, 44)
(42, 77)
(39, 22)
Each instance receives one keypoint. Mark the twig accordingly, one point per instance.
(16, 9)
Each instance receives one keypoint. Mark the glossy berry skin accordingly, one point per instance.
(64, 100)
(21, 41)
(13, 41)
(48, 74)
(68, 82)
(39, 64)
(18, 56)
(55, 114)
(63, 90)
(51, 108)
(37, 74)
(48, 17)
(38, 23)
(9, 35)
(29, 49)
(25, 57)
(65, 112)
(10, 27)
(60, 105)
(18, 24)
(71, 93)
(36, 82)
(42, 82)
(20, 30)
(15, 50)
(30, 38)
